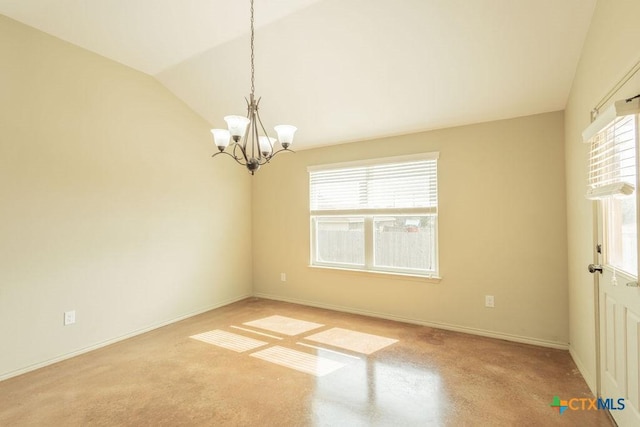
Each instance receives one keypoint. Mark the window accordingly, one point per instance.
(612, 179)
(379, 215)
(621, 234)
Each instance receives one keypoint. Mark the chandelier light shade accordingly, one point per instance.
(246, 139)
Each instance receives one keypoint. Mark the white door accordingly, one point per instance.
(619, 306)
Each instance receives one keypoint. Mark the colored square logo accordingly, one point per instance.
(560, 404)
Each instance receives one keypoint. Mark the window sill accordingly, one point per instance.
(380, 274)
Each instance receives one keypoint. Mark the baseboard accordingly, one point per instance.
(115, 340)
(588, 377)
(446, 326)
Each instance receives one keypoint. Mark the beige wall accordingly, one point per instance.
(610, 51)
(502, 232)
(111, 206)
(109, 203)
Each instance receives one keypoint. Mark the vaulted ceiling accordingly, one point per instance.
(340, 70)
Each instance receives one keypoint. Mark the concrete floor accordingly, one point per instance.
(429, 377)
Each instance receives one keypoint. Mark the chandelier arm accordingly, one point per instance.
(243, 146)
(250, 137)
(276, 152)
(256, 135)
(259, 120)
(237, 159)
(247, 135)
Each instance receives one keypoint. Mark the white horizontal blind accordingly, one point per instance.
(409, 184)
(612, 159)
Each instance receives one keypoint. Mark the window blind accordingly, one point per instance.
(612, 159)
(393, 185)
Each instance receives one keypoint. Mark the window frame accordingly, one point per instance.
(608, 178)
(610, 206)
(368, 216)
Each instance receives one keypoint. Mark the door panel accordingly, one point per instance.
(633, 339)
(610, 346)
(620, 345)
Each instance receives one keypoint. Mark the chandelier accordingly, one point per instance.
(251, 147)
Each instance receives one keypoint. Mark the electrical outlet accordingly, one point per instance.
(489, 301)
(283, 277)
(69, 317)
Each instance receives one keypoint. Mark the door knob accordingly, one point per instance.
(595, 267)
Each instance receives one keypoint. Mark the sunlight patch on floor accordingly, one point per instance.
(320, 362)
(352, 340)
(284, 325)
(255, 332)
(228, 340)
(299, 361)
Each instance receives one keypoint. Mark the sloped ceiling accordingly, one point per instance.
(340, 70)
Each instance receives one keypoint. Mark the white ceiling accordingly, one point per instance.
(340, 70)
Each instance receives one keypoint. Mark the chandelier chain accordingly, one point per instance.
(253, 86)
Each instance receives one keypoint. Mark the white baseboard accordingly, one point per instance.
(446, 326)
(456, 328)
(588, 377)
(66, 356)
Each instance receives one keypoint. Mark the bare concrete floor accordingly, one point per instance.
(428, 377)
